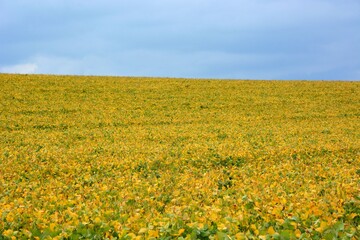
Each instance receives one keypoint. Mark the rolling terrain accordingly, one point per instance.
(142, 158)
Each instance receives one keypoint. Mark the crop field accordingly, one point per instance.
(155, 158)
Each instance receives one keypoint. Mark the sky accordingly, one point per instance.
(228, 39)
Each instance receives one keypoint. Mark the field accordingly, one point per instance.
(142, 158)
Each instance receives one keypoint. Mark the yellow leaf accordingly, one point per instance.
(27, 233)
(52, 226)
(87, 177)
(222, 226)
(131, 235)
(142, 230)
(97, 220)
(280, 220)
(271, 230)
(297, 233)
(240, 236)
(305, 215)
(322, 227)
(352, 215)
(179, 232)
(154, 233)
(8, 233)
(253, 227)
(10, 217)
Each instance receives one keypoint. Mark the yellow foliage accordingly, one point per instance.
(152, 158)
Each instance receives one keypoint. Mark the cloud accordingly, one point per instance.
(20, 68)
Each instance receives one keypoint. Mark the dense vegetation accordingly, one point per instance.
(127, 158)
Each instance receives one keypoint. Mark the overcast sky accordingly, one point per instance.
(238, 39)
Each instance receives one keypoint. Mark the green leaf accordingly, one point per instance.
(287, 234)
(339, 226)
(222, 236)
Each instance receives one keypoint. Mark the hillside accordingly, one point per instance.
(98, 157)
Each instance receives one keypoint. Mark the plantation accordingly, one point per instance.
(142, 158)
